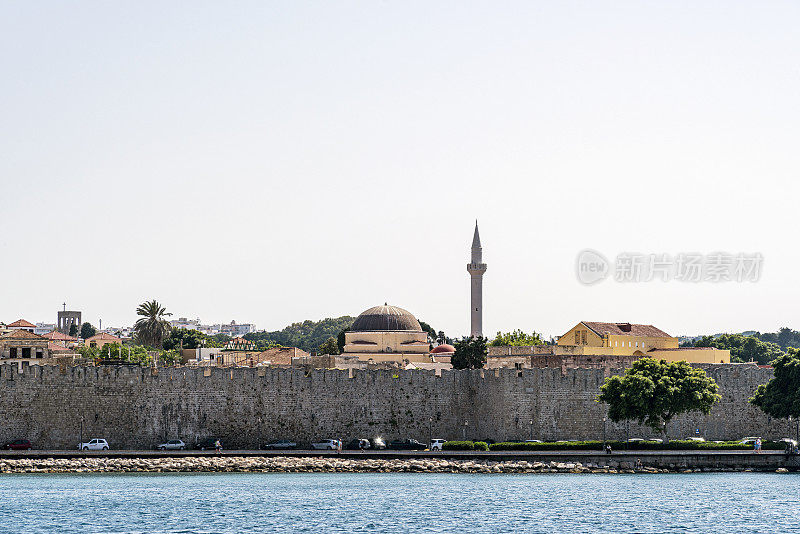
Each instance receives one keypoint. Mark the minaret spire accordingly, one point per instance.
(476, 268)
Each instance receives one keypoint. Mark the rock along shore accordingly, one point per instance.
(281, 464)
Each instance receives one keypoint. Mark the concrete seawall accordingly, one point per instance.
(136, 407)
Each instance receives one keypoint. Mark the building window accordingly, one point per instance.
(616, 343)
(577, 337)
(630, 344)
(637, 344)
(583, 337)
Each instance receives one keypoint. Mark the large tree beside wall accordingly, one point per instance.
(152, 327)
(780, 397)
(470, 353)
(653, 392)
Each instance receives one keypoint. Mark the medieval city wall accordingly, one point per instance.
(136, 407)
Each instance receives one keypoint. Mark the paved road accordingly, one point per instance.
(383, 454)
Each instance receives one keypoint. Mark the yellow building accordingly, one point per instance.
(387, 334)
(641, 340)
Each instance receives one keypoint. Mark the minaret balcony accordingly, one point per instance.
(476, 267)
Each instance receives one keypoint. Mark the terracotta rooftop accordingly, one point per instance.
(55, 346)
(58, 336)
(21, 323)
(21, 334)
(625, 329)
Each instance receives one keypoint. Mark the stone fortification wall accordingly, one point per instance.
(136, 407)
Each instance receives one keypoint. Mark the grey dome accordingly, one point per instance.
(385, 318)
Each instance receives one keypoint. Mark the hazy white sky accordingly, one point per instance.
(273, 162)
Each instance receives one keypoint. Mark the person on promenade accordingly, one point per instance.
(218, 446)
(757, 445)
(608, 449)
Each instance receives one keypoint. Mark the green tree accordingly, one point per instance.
(743, 348)
(329, 347)
(182, 337)
(652, 392)
(73, 330)
(780, 397)
(217, 341)
(517, 338)
(152, 327)
(308, 335)
(428, 328)
(340, 340)
(470, 353)
(87, 331)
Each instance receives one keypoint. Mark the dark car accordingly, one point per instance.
(377, 444)
(407, 445)
(358, 445)
(18, 445)
(280, 444)
(207, 444)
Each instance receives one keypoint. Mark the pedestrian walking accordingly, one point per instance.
(757, 446)
(218, 446)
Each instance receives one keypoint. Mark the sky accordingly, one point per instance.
(271, 162)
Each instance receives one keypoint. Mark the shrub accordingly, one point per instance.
(459, 446)
(481, 446)
(635, 445)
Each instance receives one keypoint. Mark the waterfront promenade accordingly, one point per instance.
(394, 461)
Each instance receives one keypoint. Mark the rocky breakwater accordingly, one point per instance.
(228, 464)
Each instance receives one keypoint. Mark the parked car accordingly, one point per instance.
(18, 445)
(95, 444)
(407, 445)
(207, 444)
(436, 444)
(357, 445)
(326, 444)
(532, 441)
(635, 440)
(172, 445)
(377, 444)
(280, 444)
(749, 440)
(695, 439)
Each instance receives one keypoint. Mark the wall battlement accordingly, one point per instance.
(136, 407)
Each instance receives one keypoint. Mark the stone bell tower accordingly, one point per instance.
(476, 268)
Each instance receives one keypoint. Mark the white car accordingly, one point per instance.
(172, 445)
(327, 444)
(94, 445)
(436, 444)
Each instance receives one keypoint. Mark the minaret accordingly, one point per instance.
(476, 268)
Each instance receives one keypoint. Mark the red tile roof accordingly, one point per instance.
(625, 329)
(58, 336)
(55, 346)
(21, 323)
(21, 334)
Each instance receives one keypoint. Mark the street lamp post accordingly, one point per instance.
(430, 431)
(466, 424)
(604, 433)
(530, 424)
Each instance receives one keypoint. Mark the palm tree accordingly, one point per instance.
(152, 328)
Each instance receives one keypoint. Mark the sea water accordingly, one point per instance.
(321, 503)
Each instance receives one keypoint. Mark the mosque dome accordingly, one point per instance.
(386, 318)
(444, 348)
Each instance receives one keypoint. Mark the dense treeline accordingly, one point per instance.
(308, 335)
(759, 348)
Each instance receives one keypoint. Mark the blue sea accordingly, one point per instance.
(322, 503)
